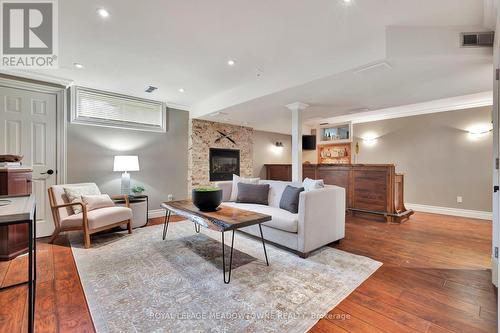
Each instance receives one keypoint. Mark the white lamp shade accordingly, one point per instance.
(126, 163)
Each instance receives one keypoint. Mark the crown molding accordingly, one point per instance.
(177, 106)
(441, 105)
(39, 77)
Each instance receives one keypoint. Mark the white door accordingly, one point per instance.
(28, 128)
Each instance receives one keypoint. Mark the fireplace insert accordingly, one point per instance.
(224, 163)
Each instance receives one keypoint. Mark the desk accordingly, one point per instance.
(18, 210)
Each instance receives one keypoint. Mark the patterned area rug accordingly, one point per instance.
(140, 283)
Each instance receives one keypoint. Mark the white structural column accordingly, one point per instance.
(297, 109)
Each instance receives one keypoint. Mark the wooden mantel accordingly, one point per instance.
(371, 189)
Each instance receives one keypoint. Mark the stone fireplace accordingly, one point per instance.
(206, 137)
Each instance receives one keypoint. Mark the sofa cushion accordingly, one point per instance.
(281, 219)
(99, 217)
(313, 184)
(290, 199)
(236, 180)
(276, 190)
(253, 193)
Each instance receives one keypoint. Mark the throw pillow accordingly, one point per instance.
(74, 194)
(238, 179)
(252, 193)
(290, 199)
(97, 201)
(312, 184)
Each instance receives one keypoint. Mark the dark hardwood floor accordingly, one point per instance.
(436, 277)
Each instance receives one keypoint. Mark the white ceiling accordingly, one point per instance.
(304, 51)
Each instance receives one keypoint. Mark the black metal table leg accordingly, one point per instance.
(263, 244)
(224, 259)
(165, 223)
(31, 275)
(147, 209)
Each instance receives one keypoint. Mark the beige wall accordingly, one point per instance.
(162, 157)
(265, 152)
(438, 157)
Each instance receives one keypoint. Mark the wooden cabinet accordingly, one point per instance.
(279, 172)
(371, 189)
(14, 238)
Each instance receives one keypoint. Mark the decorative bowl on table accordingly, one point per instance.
(207, 199)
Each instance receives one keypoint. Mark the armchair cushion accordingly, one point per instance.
(97, 201)
(74, 193)
(99, 218)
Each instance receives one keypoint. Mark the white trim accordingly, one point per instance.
(38, 77)
(154, 213)
(177, 106)
(440, 105)
(475, 214)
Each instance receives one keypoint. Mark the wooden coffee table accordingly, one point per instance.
(224, 219)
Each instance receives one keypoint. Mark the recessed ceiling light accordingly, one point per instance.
(231, 62)
(347, 1)
(181, 90)
(103, 12)
(78, 65)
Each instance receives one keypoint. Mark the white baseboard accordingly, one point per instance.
(156, 213)
(475, 214)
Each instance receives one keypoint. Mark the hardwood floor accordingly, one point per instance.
(435, 278)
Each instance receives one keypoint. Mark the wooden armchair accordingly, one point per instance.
(89, 221)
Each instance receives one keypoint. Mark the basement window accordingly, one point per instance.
(100, 108)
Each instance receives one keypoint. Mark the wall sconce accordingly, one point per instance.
(479, 130)
(370, 139)
(277, 147)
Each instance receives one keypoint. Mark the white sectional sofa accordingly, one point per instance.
(320, 220)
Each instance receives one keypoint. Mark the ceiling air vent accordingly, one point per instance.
(477, 39)
(150, 89)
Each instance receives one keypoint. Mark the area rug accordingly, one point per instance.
(140, 283)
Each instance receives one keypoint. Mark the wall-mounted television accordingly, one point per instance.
(309, 142)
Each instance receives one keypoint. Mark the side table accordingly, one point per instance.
(137, 203)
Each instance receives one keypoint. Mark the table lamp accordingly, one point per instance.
(125, 164)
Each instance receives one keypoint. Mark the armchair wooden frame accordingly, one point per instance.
(87, 231)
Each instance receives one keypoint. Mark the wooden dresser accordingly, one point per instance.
(14, 238)
(371, 189)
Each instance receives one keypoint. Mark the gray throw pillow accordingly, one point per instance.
(290, 199)
(251, 193)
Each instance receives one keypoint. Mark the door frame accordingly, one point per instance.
(60, 92)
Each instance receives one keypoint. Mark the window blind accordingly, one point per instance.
(100, 108)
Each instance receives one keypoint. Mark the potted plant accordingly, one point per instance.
(138, 189)
(207, 198)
